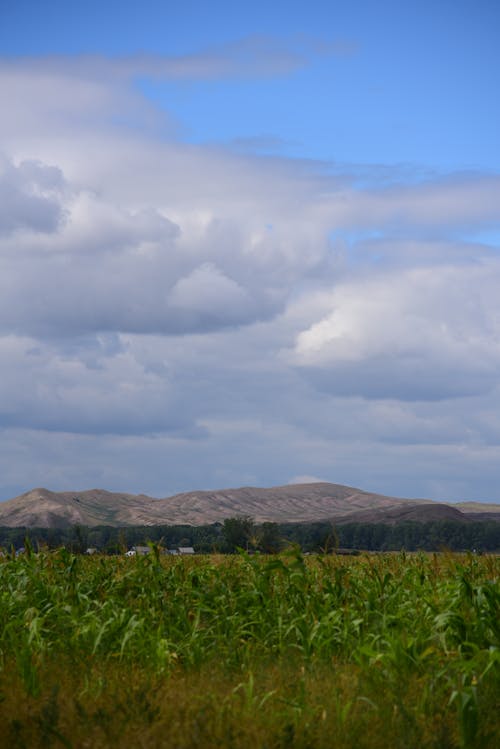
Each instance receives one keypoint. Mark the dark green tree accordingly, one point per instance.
(269, 538)
(237, 532)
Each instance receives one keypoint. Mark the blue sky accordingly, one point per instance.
(250, 245)
(394, 82)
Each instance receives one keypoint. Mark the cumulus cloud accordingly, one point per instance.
(428, 208)
(210, 299)
(94, 389)
(236, 319)
(156, 237)
(29, 197)
(99, 93)
(424, 333)
(119, 263)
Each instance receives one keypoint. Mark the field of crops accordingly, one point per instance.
(250, 652)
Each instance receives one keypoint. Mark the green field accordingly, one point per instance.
(388, 650)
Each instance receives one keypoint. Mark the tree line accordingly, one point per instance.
(243, 532)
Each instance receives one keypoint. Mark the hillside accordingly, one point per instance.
(418, 512)
(291, 503)
(45, 509)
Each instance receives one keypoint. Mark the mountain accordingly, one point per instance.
(290, 503)
(480, 510)
(418, 512)
(45, 509)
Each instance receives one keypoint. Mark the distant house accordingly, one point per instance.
(138, 550)
(141, 550)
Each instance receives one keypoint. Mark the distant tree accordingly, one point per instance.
(78, 539)
(237, 532)
(269, 538)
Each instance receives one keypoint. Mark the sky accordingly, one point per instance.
(250, 245)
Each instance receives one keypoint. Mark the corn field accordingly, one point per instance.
(388, 650)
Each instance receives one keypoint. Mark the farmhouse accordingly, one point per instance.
(139, 550)
(143, 550)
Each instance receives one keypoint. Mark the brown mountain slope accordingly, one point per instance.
(43, 508)
(471, 508)
(409, 511)
(290, 503)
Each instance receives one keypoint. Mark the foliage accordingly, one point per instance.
(242, 532)
(250, 651)
(238, 533)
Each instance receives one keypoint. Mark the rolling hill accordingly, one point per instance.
(291, 503)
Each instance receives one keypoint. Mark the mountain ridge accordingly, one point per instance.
(40, 507)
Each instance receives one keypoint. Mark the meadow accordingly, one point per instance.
(380, 650)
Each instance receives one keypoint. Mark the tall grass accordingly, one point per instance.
(250, 651)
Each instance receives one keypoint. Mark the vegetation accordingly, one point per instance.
(243, 533)
(247, 651)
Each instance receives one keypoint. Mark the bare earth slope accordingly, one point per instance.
(43, 508)
(409, 511)
(290, 503)
(480, 510)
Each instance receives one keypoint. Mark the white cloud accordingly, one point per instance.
(209, 298)
(98, 388)
(177, 316)
(423, 333)
(29, 197)
(454, 203)
(305, 479)
(252, 56)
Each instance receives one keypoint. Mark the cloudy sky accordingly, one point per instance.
(250, 245)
